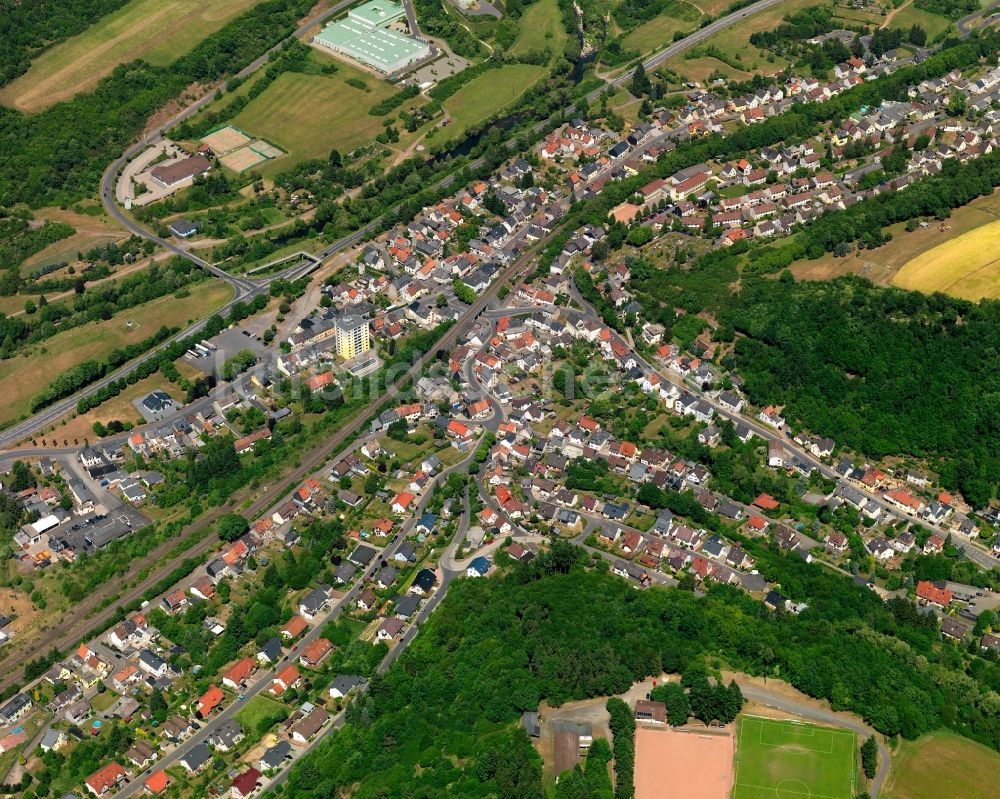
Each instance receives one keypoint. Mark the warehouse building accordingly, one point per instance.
(187, 169)
(365, 35)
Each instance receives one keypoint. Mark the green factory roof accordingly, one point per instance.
(377, 13)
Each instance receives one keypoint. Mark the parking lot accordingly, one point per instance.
(227, 344)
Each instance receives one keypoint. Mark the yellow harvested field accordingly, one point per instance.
(157, 31)
(967, 266)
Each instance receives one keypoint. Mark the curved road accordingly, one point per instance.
(781, 702)
(68, 632)
(246, 288)
(983, 16)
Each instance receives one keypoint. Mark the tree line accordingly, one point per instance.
(534, 629)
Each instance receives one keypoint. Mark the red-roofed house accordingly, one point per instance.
(766, 502)
(209, 701)
(757, 524)
(237, 674)
(157, 782)
(932, 594)
(245, 784)
(294, 627)
(314, 653)
(402, 501)
(904, 500)
(288, 677)
(106, 779)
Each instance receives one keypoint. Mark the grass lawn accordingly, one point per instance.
(488, 94)
(256, 710)
(734, 41)
(712, 8)
(790, 759)
(942, 764)
(158, 31)
(24, 376)
(91, 231)
(541, 29)
(120, 407)
(910, 15)
(309, 115)
(102, 702)
(967, 266)
(659, 32)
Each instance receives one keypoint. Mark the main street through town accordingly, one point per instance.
(246, 288)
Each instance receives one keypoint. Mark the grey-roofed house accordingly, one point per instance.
(407, 605)
(406, 553)
(275, 757)
(15, 708)
(425, 580)
(386, 576)
(270, 652)
(362, 555)
(314, 602)
(345, 572)
(343, 684)
(196, 757)
(227, 735)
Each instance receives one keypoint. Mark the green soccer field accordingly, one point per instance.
(778, 759)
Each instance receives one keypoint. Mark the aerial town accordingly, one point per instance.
(502, 399)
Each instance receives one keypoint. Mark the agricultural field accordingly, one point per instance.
(967, 266)
(942, 764)
(541, 29)
(488, 94)
(793, 760)
(157, 31)
(881, 265)
(24, 376)
(659, 32)
(310, 114)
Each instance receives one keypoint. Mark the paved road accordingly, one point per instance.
(67, 633)
(976, 553)
(689, 41)
(782, 702)
(263, 679)
(964, 26)
(246, 288)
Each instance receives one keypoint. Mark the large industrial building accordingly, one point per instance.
(365, 35)
(352, 336)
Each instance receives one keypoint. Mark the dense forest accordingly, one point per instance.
(442, 720)
(882, 371)
(29, 28)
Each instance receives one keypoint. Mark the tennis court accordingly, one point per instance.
(226, 139)
(257, 152)
(243, 159)
(785, 759)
